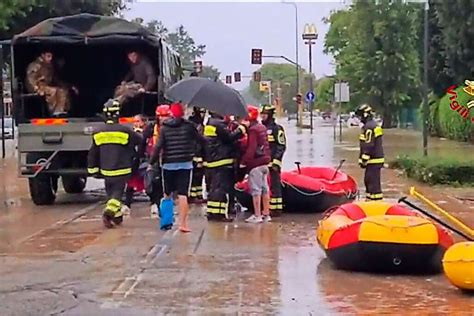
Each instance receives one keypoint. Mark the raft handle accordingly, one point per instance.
(297, 163)
(397, 261)
(338, 167)
(434, 218)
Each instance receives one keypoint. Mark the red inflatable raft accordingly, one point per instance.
(309, 189)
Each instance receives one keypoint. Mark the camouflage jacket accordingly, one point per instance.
(38, 74)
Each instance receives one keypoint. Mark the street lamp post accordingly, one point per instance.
(426, 107)
(298, 115)
(310, 33)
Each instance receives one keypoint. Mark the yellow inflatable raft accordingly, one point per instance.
(458, 265)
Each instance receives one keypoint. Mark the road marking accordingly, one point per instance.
(60, 223)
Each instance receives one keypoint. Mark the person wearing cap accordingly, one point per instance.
(277, 140)
(256, 159)
(371, 156)
(197, 118)
(111, 157)
(176, 146)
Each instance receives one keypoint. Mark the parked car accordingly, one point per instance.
(8, 131)
(326, 115)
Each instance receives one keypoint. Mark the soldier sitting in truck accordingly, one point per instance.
(41, 78)
(140, 78)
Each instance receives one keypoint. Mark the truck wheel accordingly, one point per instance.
(74, 184)
(42, 190)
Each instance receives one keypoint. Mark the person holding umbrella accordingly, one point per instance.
(176, 145)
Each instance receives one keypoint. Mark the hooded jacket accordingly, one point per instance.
(177, 141)
(258, 149)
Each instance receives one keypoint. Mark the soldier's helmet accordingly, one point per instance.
(267, 109)
(111, 110)
(364, 111)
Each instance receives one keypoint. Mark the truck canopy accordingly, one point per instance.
(90, 53)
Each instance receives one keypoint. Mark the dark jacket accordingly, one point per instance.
(177, 140)
(112, 151)
(197, 120)
(277, 140)
(221, 143)
(258, 149)
(371, 148)
(143, 73)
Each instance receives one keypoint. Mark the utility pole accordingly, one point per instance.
(426, 108)
(310, 33)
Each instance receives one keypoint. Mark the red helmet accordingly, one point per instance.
(253, 112)
(162, 110)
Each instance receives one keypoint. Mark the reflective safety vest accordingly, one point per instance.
(221, 143)
(277, 141)
(371, 147)
(112, 151)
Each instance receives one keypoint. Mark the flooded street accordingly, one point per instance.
(59, 260)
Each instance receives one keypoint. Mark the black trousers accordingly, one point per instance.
(372, 181)
(221, 194)
(196, 184)
(276, 199)
(114, 187)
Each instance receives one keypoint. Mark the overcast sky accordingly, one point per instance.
(231, 29)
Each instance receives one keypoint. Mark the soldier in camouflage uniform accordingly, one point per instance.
(141, 78)
(40, 79)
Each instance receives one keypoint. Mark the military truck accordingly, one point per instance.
(94, 51)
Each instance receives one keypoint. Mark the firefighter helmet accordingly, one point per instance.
(162, 110)
(111, 109)
(253, 112)
(267, 109)
(364, 111)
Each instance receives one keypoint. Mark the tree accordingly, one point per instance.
(153, 26)
(375, 48)
(210, 72)
(22, 16)
(324, 93)
(185, 45)
(283, 76)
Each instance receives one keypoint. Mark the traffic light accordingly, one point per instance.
(264, 86)
(198, 66)
(257, 76)
(228, 79)
(257, 56)
(299, 98)
(237, 76)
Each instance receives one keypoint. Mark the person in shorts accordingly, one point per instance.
(256, 159)
(176, 145)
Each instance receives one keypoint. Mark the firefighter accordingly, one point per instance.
(111, 157)
(277, 140)
(371, 152)
(219, 162)
(198, 169)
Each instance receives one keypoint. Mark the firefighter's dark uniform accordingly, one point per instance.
(198, 160)
(277, 141)
(219, 162)
(111, 157)
(372, 158)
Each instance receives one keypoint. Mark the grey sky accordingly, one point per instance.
(231, 29)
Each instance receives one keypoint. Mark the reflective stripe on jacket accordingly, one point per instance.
(371, 147)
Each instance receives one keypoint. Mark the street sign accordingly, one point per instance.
(310, 96)
(341, 92)
(265, 86)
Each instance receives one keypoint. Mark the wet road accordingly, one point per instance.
(60, 260)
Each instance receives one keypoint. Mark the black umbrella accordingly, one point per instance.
(212, 95)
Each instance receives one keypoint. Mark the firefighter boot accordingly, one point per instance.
(276, 200)
(112, 213)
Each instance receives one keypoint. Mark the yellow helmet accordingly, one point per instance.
(267, 109)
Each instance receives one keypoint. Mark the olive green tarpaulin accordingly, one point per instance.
(85, 28)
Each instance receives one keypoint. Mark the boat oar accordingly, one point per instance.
(297, 163)
(338, 167)
(453, 219)
(434, 218)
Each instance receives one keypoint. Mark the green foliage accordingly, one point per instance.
(21, 15)
(375, 48)
(434, 170)
(180, 40)
(451, 124)
(210, 72)
(283, 76)
(325, 93)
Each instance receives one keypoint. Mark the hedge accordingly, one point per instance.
(435, 170)
(451, 124)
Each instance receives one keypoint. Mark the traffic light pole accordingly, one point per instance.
(310, 44)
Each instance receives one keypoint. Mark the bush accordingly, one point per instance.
(433, 170)
(451, 124)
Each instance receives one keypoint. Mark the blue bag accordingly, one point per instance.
(166, 214)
